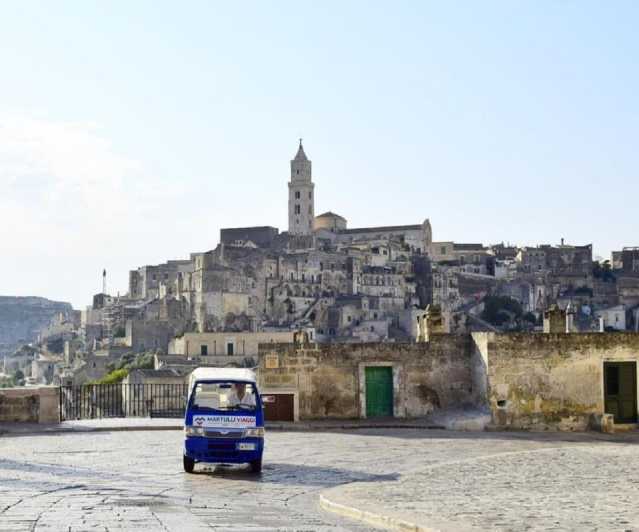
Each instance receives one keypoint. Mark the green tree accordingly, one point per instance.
(56, 345)
(112, 378)
(501, 309)
(18, 377)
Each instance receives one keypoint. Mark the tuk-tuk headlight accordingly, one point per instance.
(257, 432)
(194, 431)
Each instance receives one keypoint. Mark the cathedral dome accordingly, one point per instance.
(330, 222)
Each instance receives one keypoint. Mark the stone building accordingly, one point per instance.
(557, 381)
(630, 261)
(225, 348)
(571, 266)
(145, 282)
(415, 238)
(367, 380)
(262, 237)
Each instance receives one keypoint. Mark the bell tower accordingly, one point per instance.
(301, 196)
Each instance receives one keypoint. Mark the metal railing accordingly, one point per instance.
(93, 401)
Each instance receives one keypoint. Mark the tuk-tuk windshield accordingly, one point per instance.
(225, 396)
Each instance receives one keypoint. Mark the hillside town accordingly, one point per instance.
(335, 283)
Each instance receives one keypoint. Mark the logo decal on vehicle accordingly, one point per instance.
(199, 420)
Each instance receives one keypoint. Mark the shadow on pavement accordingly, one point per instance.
(288, 474)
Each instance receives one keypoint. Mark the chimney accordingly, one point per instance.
(570, 318)
(562, 241)
(554, 320)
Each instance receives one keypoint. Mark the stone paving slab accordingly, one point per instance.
(127, 480)
(579, 487)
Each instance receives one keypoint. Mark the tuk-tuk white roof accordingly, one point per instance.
(231, 374)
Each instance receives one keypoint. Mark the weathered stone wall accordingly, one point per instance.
(33, 404)
(329, 378)
(550, 381)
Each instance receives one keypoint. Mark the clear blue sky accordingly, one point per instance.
(131, 131)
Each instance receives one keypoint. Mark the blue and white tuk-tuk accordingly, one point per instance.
(224, 421)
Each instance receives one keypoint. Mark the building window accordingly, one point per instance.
(297, 172)
(310, 195)
(229, 349)
(297, 209)
(204, 350)
(297, 194)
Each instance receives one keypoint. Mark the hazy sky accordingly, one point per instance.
(131, 131)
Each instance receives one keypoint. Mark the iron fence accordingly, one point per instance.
(94, 401)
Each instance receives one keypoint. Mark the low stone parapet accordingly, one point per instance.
(31, 404)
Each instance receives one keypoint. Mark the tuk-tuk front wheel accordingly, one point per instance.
(189, 464)
(256, 466)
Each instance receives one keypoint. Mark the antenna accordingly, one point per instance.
(104, 281)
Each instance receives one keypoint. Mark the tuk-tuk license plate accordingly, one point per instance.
(246, 446)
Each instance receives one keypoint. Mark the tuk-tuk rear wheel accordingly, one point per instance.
(189, 464)
(256, 466)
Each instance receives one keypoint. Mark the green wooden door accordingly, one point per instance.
(620, 389)
(379, 391)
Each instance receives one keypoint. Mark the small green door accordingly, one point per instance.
(379, 391)
(620, 389)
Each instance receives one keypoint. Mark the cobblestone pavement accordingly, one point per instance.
(134, 480)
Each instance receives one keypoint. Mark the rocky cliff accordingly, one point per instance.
(21, 318)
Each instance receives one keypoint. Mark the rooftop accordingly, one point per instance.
(468, 246)
(230, 374)
(330, 214)
(382, 229)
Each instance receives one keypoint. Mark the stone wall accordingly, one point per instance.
(548, 381)
(328, 379)
(37, 404)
